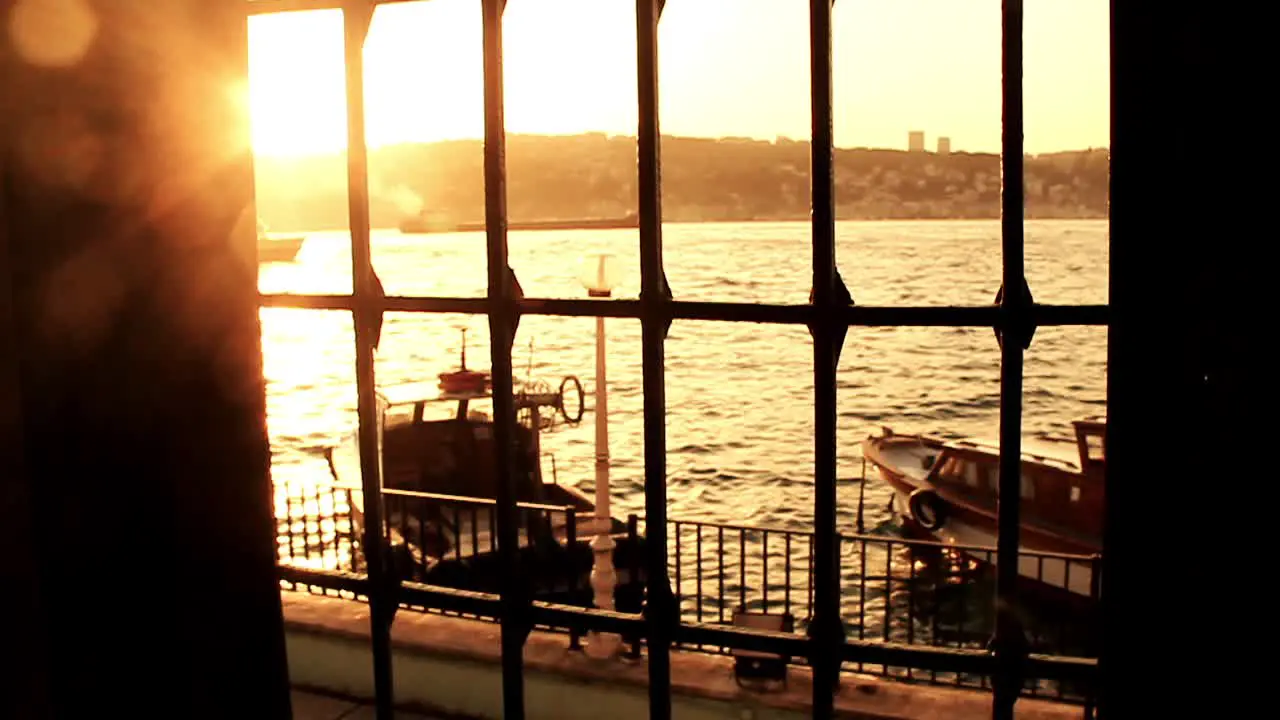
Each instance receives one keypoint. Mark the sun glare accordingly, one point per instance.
(296, 84)
(729, 68)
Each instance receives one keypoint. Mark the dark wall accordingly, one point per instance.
(1175, 578)
(133, 393)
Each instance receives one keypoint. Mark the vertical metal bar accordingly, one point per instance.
(1007, 643)
(457, 532)
(786, 564)
(654, 293)
(1091, 692)
(351, 531)
(826, 630)
(387, 501)
(1062, 625)
(475, 530)
(888, 591)
(502, 325)
(679, 569)
(570, 546)
(320, 539)
(810, 581)
(911, 604)
(764, 568)
(720, 556)
(404, 525)
(306, 528)
(936, 583)
(985, 680)
(862, 593)
(637, 563)
(742, 568)
(288, 502)
(356, 19)
(698, 569)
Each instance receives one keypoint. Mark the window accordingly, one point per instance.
(828, 316)
(1097, 447)
(974, 475)
(1026, 486)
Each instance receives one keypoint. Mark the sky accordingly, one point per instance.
(726, 68)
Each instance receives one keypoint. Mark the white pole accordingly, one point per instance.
(603, 577)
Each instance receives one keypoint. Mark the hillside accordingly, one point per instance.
(727, 179)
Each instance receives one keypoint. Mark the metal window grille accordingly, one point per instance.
(1014, 316)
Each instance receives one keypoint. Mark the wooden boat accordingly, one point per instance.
(440, 485)
(948, 489)
(277, 249)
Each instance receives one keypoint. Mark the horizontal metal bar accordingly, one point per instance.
(462, 500)
(867, 316)
(328, 579)
(264, 7)
(605, 621)
(738, 528)
(1057, 667)
(544, 613)
(450, 599)
(877, 539)
(393, 303)
(1035, 554)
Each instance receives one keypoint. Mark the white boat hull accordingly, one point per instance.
(1075, 576)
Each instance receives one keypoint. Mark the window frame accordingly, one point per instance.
(1013, 316)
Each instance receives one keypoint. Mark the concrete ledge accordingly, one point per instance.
(452, 666)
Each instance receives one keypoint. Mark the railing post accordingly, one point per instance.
(604, 578)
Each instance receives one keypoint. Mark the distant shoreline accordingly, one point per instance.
(561, 181)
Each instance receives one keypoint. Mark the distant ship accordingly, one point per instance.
(422, 224)
(277, 249)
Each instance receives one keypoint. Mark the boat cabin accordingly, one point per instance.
(451, 452)
(1058, 494)
(1091, 442)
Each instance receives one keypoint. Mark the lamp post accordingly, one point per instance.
(599, 277)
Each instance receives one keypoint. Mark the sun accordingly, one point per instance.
(296, 89)
(424, 80)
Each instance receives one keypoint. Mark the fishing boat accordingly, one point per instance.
(948, 490)
(277, 249)
(440, 488)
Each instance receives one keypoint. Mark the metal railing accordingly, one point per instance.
(827, 645)
(894, 590)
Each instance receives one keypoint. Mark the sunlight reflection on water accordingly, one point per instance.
(740, 420)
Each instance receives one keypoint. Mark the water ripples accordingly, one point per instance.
(740, 417)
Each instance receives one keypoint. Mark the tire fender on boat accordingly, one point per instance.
(927, 509)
